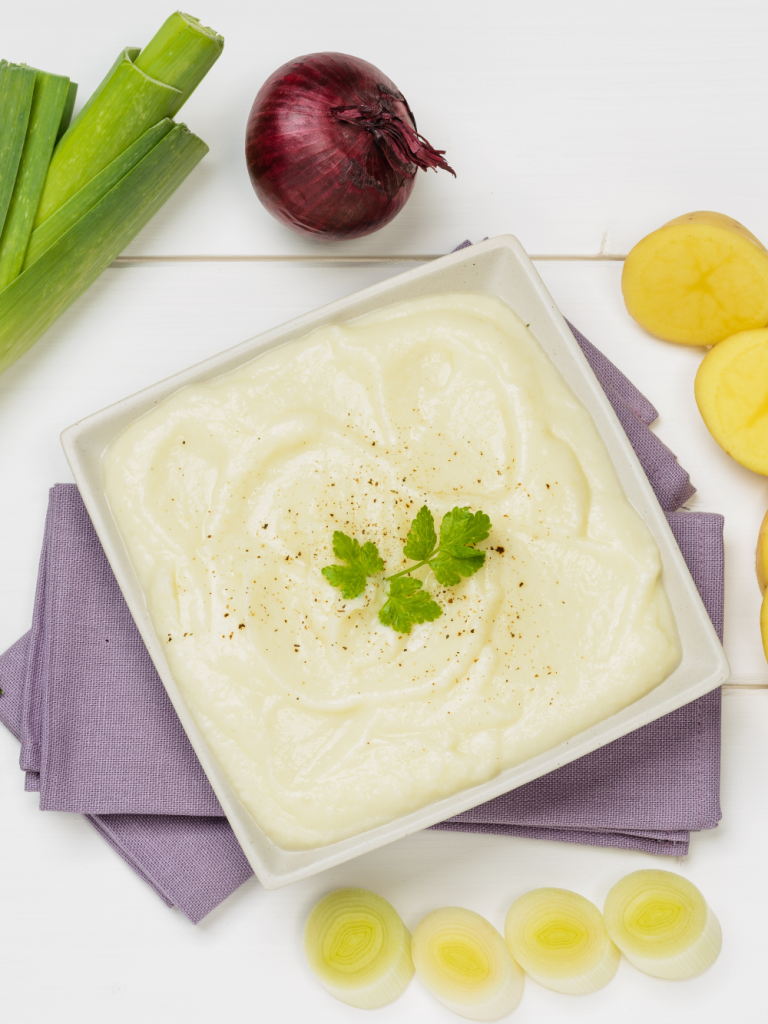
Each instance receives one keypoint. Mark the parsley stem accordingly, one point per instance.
(411, 568)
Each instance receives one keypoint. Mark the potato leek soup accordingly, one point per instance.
(326, 721)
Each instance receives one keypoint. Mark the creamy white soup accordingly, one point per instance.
(326, 722)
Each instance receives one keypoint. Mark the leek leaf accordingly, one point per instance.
(69, 107)
(181, 54)
(81, 202)
(128, 102)
(141, 88)
(17, 84)
(131, 53)
(51, 284)
(48, 102)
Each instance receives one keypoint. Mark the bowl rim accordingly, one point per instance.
(498, 266)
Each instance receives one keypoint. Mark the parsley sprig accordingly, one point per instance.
(450, 557)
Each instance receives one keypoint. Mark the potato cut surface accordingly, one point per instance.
(697, 280)
(732, 395)
(761, 559)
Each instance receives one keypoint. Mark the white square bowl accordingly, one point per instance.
(500, 267)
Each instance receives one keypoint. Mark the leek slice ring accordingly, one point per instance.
(465, 963)
(358, 947)
(560, 939)
(662, 924)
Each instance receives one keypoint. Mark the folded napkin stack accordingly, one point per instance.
(100, 737)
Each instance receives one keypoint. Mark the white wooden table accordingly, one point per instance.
(579, 127)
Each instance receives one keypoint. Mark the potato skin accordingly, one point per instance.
(716, 220)
(761, 556)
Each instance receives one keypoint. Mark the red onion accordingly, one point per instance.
(332, 146)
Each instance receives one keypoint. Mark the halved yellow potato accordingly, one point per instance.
(731, 391)
(761, 559)
(697, 280)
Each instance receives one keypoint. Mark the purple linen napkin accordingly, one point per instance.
(192, 863)
(668, 479)
(100, 736)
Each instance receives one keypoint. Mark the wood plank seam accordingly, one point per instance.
(347, 260)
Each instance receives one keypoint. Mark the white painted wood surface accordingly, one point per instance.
(577, 126)
(574, 125)
(84, 940)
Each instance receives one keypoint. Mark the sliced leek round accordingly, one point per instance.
(560, 939)
(359, 948)
(662, 924)
(464, 962)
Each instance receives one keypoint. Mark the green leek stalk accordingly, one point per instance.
(48, 103)
(31, 303)
(17, 86)
(127, 103)
(181, 53)
(69, 107)
(81, 202)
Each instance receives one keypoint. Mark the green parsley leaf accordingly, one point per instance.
(363, 561)
(422, 539)
(461, 527)
(408, 603)
(449, 569)
(459, 531)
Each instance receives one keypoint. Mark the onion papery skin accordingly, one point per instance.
(559, 938)
(312, 167)
(358, 947)
(465, 964)
(662, 924)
